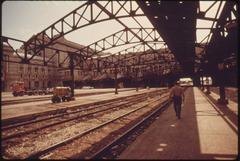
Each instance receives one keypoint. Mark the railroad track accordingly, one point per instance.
(27, 100)
(9, 140)
(23, 128)
(119, 143)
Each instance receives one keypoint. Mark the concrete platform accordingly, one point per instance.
(23, 110)
(205, 131)
(7, 96)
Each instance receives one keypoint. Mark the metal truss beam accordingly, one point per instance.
(87, 14)
(213, 49)
(122, 37)
(130, 62)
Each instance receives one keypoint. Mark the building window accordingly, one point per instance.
(36, 84)
(67, 73)
(36, 69)
(21, 68)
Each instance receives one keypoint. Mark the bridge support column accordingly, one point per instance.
(116, 82)
(221, 76)
(222, 99)
(196, 80)
(136, 79)
(71, 66)
(202, 83)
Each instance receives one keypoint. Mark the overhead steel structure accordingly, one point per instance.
(175, 21)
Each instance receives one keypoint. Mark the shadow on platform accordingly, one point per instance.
(194, 136)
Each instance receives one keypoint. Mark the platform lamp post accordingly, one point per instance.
(222, 99)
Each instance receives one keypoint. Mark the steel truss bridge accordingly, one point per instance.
(174, 33)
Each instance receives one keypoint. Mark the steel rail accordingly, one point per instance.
(122, 137)
(131, 102)
(105, 150)
(58, 115)
(66, 141)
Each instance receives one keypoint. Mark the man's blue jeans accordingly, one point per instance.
(177, 102)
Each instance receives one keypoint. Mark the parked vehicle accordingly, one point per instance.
(49, 91)
(29, 92)
(87, 87)
(18, 88)
(61, 94)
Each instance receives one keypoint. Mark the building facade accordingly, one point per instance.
(41, 77)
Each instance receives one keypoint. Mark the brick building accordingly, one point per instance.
(40, 77)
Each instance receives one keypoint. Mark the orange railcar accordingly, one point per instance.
(18, 88)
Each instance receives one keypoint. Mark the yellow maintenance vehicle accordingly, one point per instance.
(61, 94)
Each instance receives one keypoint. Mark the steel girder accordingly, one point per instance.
(134, 58)
(115, 58)
(222, 48)
(87, 14)
(119, 38)
(184, 15)
(176, 23)
(24, 58)
(122, 37)
(220, 33)
(45, 40)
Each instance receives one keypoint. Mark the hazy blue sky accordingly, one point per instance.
(22, 19)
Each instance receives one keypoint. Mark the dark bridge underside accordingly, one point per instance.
(176, 23)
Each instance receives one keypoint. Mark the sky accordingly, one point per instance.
(22, 19)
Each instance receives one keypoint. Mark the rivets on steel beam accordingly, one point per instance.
(132, 13)
(4, 39)
(112, 16)
(92, 21)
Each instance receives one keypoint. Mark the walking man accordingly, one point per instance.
(177, 94)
